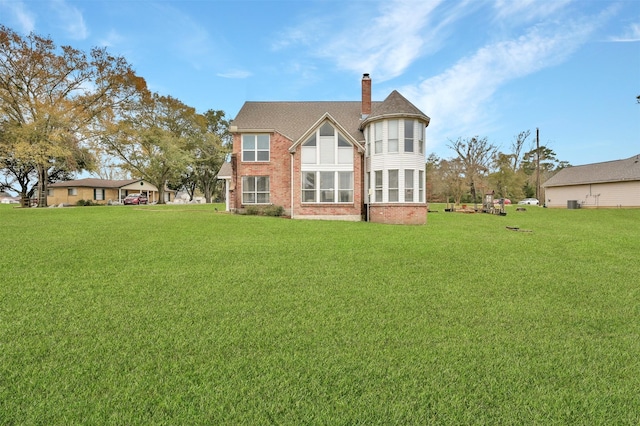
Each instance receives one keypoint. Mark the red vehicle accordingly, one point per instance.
(136, 199)
(504, 201)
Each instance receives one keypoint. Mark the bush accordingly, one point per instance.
(80, 203)
(271, 210)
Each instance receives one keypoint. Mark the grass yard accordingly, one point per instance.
(183, 315)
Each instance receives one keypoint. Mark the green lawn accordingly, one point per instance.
(184, 315)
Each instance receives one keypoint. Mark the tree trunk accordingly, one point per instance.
(42, 185)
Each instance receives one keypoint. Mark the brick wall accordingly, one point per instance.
(278, 168)
(400, 214)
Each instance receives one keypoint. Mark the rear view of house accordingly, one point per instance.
(350, 160)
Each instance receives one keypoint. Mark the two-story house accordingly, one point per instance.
(331, 160)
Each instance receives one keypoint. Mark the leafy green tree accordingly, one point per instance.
(50, 101)
(154, 140)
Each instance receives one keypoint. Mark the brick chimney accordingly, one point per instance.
(366, 95)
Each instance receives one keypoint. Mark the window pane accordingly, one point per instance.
(327, 180)
(345, 155)
(309, 180)
(263, 155)
(393, 185)
(262, 183)
(308, 196)
(309, 154)
(263, 198)
(249, 198)
(263, 141)
(248, 142)
(342, 141)
(248, 184)
(408, 186)
(421, 186)
(393, 135)
(311, 141)
(378, 179)
(345, 180)
(327, 150)
(408, 135)
(248, 156)
(378, 138)
(326, 130)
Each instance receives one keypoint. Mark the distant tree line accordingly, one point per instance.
(479, 168)
(64, 111)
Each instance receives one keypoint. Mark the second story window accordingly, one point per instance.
(255, 147)
(408, 135)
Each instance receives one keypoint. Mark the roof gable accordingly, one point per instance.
(608, 171)
(395, 105)
(326, 117)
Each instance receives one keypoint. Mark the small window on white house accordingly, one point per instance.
(393, 136)
(378, 183)
(420, 137)
(378, 138)
(393, 186)
(408, 186)
(408, 135)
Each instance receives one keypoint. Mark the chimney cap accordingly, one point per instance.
(365, 75)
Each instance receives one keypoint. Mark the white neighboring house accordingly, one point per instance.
(607, 184)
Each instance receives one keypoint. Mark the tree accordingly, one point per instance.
(475, 155)
(154, 139)
(50, 100)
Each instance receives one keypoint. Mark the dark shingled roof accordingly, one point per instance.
(293, 119)
(94, 183)
(608, 171)
(395, 105)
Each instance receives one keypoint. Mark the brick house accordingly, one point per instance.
(331, 160)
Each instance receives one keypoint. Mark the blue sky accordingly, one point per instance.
(489, 68)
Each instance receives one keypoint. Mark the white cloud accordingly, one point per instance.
(24, 19)
(70, 18)
(462, 95)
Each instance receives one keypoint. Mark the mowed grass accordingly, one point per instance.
(184, 315)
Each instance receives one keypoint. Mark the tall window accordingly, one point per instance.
(321, 187)
(345, 187)
(327, 167)
(421, 186)
(378, 137)
(408, 186)
(255, 147)
(378, 183)
(393, 136)
(393, 186)
(420, 137)
(408, 135)
(255, 189)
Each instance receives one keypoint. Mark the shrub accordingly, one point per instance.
(270, 210)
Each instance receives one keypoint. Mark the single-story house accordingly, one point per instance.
(342, 160)
(102, 191)
(607, 184)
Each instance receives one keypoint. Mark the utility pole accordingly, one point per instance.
(537, 163)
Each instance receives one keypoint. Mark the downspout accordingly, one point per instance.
(291, 185)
